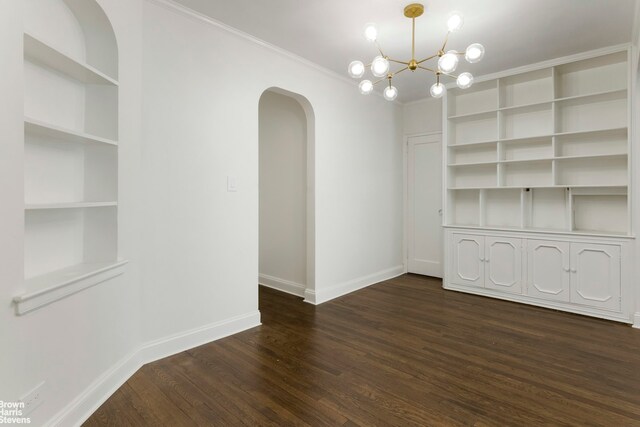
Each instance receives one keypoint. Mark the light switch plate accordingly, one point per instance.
(232, 184)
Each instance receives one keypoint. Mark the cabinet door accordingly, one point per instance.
(595, 275)
(468, 260)
(503, 260)
(548, 270)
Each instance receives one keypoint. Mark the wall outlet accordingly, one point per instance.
(33, 399)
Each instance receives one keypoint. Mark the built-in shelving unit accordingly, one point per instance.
(71, 155)
(547, 149)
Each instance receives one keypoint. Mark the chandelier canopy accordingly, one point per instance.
(447, 60)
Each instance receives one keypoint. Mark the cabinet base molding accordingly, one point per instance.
(546, 304)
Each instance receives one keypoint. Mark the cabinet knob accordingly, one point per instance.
(486, 260)
(566, 269)
(573, 270)
(481, 259)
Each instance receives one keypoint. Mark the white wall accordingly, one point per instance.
(189, 94)
(423, 116)
(201, 90)
(73, 342)
(283, 191)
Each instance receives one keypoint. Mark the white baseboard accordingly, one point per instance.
(173, 344)
(85, 404)
(282, 285)
(324, 295)
(636, 320)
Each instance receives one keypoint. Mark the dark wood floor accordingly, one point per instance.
(403, 352)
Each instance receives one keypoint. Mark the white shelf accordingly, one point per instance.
(71, 205)
(45, 289)
(472, 115)
(525, 106)
(474, 144)
(41, 128)
(543, 231)
(515, 161)
(455, 165)
(512, 187)
(592, 156)
(587, 132)
(40, 52)
(602, 95)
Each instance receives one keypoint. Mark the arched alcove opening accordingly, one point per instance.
(286, 192)
(70, 149)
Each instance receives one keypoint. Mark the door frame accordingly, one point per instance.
(405, 195)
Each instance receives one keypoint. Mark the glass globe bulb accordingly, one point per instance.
(356, 69)
(390, 93)
(474, 53)
(366, 87)
(464, 80)
(379, 66)
(448, 62)
(455, 21)
(437, 90)
(371, 32)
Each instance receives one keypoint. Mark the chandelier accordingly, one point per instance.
(447, 60)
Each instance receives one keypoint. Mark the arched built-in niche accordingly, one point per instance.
(71, 150)
(299, 113)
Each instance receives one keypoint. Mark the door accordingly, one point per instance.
(503, 264)
(468, 260)
(595, 275)
(424, 205)
(548, 270)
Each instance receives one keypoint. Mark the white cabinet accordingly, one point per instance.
(545, 150)
(578, 274)
(489, 262)
(595, 275)
(548, 270)
(468, 260)
(537, 189)
(503, 259)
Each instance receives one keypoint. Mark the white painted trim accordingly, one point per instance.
(193, 14)
(87, 402)
(323, 295)
(182, 341)
(282, 285)
(524, 299)
(636, 320)
(60, 284)
(635, 35)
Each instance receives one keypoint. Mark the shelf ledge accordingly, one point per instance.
(71, 205)
(579, 232)
(48, 288)
(41, 52)
(37, 127)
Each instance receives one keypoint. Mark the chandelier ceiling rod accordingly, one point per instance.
(447, 61)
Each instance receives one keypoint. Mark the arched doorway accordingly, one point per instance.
(286, 192)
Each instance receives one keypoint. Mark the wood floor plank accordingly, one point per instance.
(403, 352)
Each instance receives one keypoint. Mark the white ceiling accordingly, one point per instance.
(514, 32)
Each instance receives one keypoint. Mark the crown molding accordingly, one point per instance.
(200, 17)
